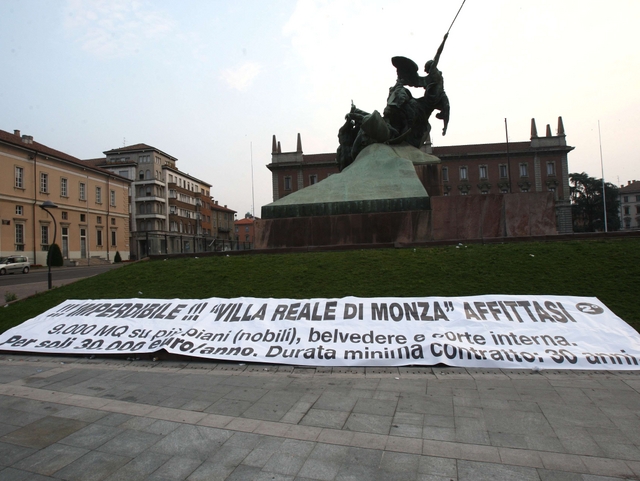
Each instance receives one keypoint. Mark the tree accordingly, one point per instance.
(54, 256)
(586, 204)
(117, 258)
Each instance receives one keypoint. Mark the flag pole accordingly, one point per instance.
(604, 199)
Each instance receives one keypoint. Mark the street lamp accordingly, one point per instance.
(46, 205)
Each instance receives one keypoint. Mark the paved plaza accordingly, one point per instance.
(104, 419)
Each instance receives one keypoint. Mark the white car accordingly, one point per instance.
(11, 264)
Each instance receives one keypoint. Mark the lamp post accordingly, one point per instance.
(46, 205)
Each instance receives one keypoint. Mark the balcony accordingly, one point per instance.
(151, 216)
(149, 182)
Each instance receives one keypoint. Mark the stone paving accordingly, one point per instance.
(104, 419)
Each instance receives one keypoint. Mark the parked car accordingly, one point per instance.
(12, 264)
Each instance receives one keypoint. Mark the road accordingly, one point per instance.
(24, 285)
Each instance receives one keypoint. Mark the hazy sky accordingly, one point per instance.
(210, 82)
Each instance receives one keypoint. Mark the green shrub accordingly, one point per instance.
(9, 296)
(117, 257)
(54, 256)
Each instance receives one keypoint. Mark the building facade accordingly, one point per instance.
(171, 210)
(535, 166)
(92, 214)
(630, 205)
(245, 230)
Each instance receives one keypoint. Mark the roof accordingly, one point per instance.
(221, 208)
(184, 174)
(17, 140)
(473, 149)
(244, 221)
(95, 162)
(137, 148)
(631, 187)
(331, 157)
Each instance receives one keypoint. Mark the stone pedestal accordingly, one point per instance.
(346, 229)
(382, 198)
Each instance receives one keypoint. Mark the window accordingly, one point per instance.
(83, 217)
(287, 183)
(19, 237)
(637, 209)
(98, 195)
(504, 191)
(551, 168)
(141, 175)
(44, 237)
(113, 221)
(19, 178)
(503, 171)
(627, 210)
(82, 192)
(63, 187)
(626, 198)
(483, 172)
(123, 173)
(44, 183)
(99, 237)
(99, 219)
(445, 174)
(484, 192)
(65, 215)
(464, 192)
(246, 229)
(524, 170)
(114, 238)
(463, 173)
(19, 210)
(313, 179)
(637, 198)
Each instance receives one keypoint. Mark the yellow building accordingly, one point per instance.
(92, 214)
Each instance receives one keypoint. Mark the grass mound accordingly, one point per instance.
(608, 270)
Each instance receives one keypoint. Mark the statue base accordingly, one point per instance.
(382, 179)
(381, 198)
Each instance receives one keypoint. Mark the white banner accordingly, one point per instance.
(514, 332)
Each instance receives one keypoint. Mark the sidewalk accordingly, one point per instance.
(105, 419)
(23, 291)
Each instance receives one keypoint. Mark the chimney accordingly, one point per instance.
(549, 131)
(299, 144)
(560, 127)
(16, 132)
(274, 145)
(279, 149)
(534, 130)
(27, 139)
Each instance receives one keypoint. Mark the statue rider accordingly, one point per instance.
(435, 98)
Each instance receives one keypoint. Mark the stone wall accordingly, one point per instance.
(450, 219)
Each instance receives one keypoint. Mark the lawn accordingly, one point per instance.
(606, 269)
